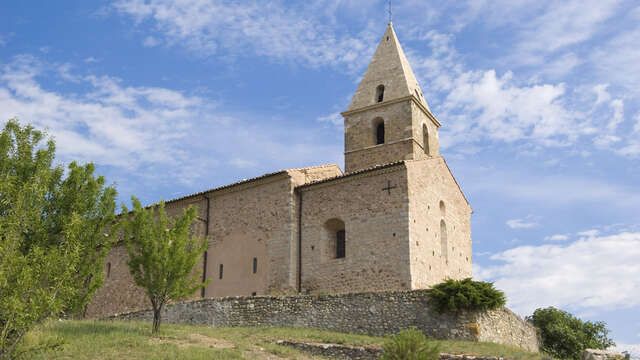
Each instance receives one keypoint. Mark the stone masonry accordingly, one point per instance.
(371, 313)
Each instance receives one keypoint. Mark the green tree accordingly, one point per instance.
(410, 344)
(564, 336)
(52, 234)
(466, 294)
(162, 254)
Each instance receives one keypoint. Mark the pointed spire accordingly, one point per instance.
(389, 68)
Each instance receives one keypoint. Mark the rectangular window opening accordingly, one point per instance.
(255, 265)
(340, 244)
(220, 272)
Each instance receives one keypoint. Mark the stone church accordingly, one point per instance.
(394, 219)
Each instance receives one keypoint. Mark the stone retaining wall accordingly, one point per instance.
(337, 351)
(372, 313)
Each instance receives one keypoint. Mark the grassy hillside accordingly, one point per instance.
(133, 340)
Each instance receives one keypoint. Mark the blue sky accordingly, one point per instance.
(539, 101)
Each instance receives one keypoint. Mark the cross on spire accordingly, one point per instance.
(390, 11)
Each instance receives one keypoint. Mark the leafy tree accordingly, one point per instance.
(162, 254)
(410, 344)
(52, 234)
(456, 295)
(564, 336)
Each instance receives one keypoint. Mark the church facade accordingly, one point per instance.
(394, 219)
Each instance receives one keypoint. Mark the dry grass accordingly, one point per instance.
(133, 340)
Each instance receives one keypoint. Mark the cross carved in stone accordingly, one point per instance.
(389, 187)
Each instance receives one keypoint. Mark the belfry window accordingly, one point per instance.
(380, 93)
(380, 133)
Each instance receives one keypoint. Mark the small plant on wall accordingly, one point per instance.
(458, 295)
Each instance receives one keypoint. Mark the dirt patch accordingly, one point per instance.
(194, 339)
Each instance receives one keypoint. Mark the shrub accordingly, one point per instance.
(410, 345)
(565, 337)
(456, 295)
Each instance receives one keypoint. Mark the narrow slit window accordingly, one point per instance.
(220, 271)
(380, 93)
(340, 244)
(255, 265)
(204, 273)
(443, 240)
(108, 269)
(380, 133)
(425, 139)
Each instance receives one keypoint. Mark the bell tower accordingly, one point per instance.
(388, 119)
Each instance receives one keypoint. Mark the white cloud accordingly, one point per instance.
(110, 124)
(334, 118)
(617, 106)
(602, 93)
(589, 233)
(271, 29)
(557, 237)
(150, 41)
(618, 59)
(481, 105)
(148, 132)
(243, 163)
(562, 24)
(591, 273)
(520, 224)
(90, 59)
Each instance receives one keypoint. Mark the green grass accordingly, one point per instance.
(133, 340)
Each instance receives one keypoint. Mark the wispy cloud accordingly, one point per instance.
(333, 118)
(589, 233)
(157, 133)
(481, 105)
(557, 237)
(150, 41)
(521, 224)
(270, 29)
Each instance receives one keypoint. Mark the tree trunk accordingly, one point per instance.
(156, 318)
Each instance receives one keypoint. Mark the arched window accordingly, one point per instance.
(443, 209)
(336, 246)
(443, 240)
(425, 138)
(380, 133)
(380, 93)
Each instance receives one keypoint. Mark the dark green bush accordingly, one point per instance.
(564, 336)
(457, 295)
(410, 345)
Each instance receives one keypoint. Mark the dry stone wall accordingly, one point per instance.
(372, 313)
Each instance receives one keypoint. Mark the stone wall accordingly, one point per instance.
(375, 224)
(337, 351)
(373, 313)
(436, 201)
